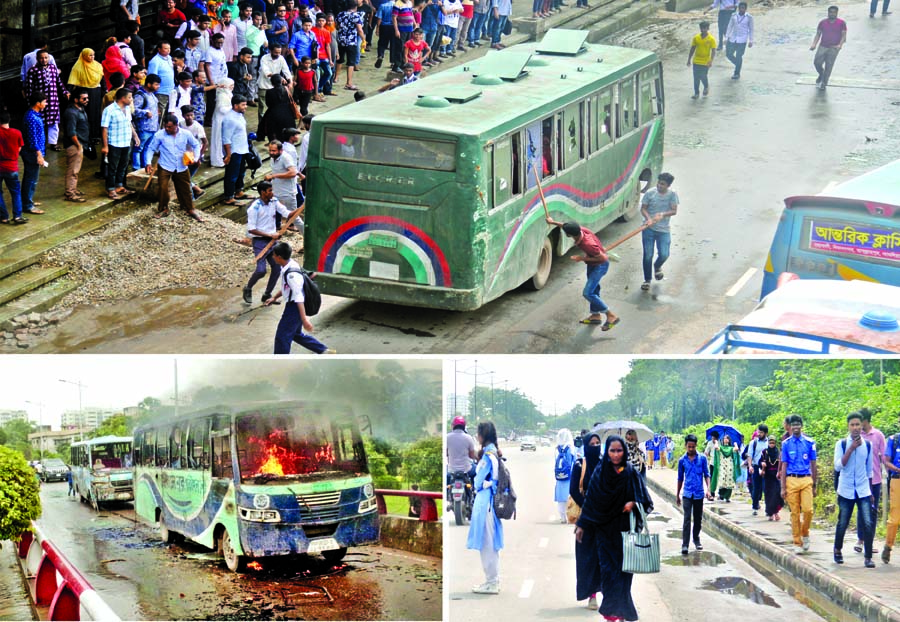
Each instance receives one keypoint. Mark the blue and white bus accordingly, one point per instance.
(258, 480)
(101, 470)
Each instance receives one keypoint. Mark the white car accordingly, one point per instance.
(816, 316)
(527, 444)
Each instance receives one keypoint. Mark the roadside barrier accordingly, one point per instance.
(53, 581)
(428, 508)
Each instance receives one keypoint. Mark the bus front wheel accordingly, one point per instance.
(544, 262)
(235, 562)
(335, 555)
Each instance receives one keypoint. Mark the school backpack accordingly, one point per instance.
(837, 474)
(505, 497)
(312, 297)
(564, 462)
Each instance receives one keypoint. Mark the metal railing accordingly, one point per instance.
(427, 510)
(56, 583)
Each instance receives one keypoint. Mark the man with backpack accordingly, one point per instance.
(562, 470)
(853, 460)
(752, 455)
(298, 290)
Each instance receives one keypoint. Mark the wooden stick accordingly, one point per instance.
(627, 237)
(284, 228)
(150, 178)
(537, 180)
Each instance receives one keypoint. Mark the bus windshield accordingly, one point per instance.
(111, 456)
(434, 155)
(299, 448)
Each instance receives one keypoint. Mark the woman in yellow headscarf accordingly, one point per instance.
(87, 73)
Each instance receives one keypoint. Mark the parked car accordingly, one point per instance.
(814, 316)
(545, 441)
(527, 444)
(54, 470)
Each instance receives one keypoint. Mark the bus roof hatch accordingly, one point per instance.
(563, 42)
(455, 95)
(508, 65)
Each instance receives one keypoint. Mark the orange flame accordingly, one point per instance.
(272, 465)
(275, 459)
(254, 566)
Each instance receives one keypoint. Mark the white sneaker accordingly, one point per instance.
(592, 602)
(806, 543)
(487, 588)
(798, 549)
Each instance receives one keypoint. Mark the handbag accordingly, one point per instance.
(294, 108)
(640, 548)
(508, 27)
(573, 510)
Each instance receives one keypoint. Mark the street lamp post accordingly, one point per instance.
(80, 409)
(40, 406)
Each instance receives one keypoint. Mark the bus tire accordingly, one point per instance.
(234, 562)
(335, 555)
(166, 535)
(544, 263)
(633, 209)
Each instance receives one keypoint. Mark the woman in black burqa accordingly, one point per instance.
(614, 489)
(587, 569)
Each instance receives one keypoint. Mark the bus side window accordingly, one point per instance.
(571, 145)
(547, 147)
(658, 93)
(560, 145)
(198, 444)
(175, 447)
(162, 447)
(136, 451)
(646, 102)
(626, 107)
(589, 140)
(502, 172)
(516, 163)
(607, 119)
(221, 458)
(582, 148)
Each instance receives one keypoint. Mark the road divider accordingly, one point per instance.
(422, 534)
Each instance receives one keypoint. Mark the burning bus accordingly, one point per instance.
(257, 481)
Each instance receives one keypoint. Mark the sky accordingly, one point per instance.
(554, 383)
(119, 381)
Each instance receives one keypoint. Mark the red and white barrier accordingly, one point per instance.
(57, 583)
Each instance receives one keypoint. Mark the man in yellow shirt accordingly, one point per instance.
(703, 51)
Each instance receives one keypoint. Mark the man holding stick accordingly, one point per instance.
(657, 207)
(262, 231)
(597, 263)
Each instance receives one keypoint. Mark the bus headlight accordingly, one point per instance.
(368, 505)
(260, 516)
(369, 490)
(261, 502)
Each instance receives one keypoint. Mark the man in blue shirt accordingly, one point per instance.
(303, 43)
(384, 23)
(798, 477)
(278, 33)
(236, 145)
(754, 452)
(892, 465)
(173, 144)
(33, 152)
(146, 118)
(853, 462)
(693, 471)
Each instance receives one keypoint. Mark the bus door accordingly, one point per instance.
(222, 443)
(507, 160)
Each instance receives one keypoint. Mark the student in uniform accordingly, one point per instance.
(798, 477)
(261, 229)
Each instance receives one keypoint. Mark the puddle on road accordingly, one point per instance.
(740, 587)
(695, 558)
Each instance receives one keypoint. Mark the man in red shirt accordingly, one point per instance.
(10, 144)
(597, 266)
(171, 20)
(830, 37)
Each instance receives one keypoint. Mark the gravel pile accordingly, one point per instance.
(139, 255)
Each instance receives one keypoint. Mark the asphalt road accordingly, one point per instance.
(537, 567)
(735, 154)
(143, 579)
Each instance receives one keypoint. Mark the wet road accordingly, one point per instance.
(735, 155)
(143, 579)
(537, 566)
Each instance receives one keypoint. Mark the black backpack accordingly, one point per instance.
(505, 497)
(312, 297)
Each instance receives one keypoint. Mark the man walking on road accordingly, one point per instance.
(693, 471)
(754, 452)
(876, 438)
(798, 477)
(853, 460)
(830, 38)
(262, 230)
(173, 144)
(738, 38)
(657, 207)
(597, 266)
(237, 146)
(700, 58)
(892, 464)
(293, 319)
(725, 11)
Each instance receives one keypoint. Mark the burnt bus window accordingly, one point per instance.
(516, 163)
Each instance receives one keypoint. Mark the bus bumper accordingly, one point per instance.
(114, 494)
(393, 292)
(267, 539)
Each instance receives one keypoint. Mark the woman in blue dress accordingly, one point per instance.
(562, 470)
(485, 530)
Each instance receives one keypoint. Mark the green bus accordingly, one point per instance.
(426, 195)
(258, 480)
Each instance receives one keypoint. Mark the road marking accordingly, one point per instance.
(527, 586)
(741, 282)
(543, 543)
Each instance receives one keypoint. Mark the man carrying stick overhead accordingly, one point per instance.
(262, 230)
(597, 263)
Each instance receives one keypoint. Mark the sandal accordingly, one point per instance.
(193, 214)
(75, 199)
(350, 87)
(34, 211)
(161, 214)
(21, 220)
(608, 325)
(112, 195)
(588, 320)
(645, 286)
(4, 221)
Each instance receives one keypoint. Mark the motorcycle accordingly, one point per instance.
(461, 496)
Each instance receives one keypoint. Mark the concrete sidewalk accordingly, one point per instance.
(850, 592)
(15, 603)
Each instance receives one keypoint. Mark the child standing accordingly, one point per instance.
(415, 50)
(196, 129)
(306, 85)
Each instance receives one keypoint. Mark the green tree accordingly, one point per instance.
(423, 464)
(378, 467)
(20, 500)
(117, 425)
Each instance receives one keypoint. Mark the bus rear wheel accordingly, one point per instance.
(544, 262)
(335, 555)
(234, 562)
